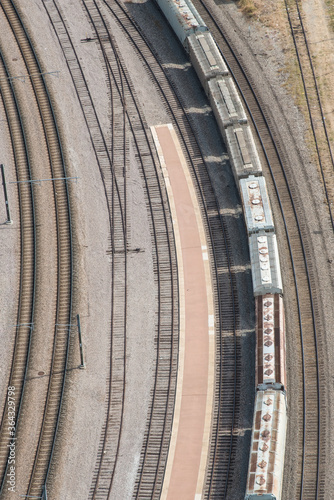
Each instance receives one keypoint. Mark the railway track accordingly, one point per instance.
(310, 441)
(226, 406)
(45, 446)
(112, 430)
(165, 265)
(121, 91)
(313, 100)
(25, 316)
(112, 164)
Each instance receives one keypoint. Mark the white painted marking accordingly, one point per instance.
(211, 321)
(198, 496)
(204, 247)
(205, 256)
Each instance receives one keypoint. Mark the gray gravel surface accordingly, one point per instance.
(80, 432)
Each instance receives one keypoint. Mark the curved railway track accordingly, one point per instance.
(313, 100)
(313, 429)
(149, 480)
(25, 317)
(112, 430)
(165, 261)
(164, 253)
(227, 351)
(59, 355)
(112, 164)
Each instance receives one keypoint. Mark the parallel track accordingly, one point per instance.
(313, 100)
(163, 244)
(50, 422)
(160, 225)
(313, 432)
(112, 429)
(165, 262)
(226, 407)
(25, 317)
(112, 165)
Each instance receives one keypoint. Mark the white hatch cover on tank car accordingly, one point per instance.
(256, 204)
(266, 272)
(242, 151)
(183, 18)
(206, 58)
(266, 461)
(224, 96)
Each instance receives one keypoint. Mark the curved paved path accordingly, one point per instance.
(185, 472)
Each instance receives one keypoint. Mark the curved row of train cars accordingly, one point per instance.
(265, 472)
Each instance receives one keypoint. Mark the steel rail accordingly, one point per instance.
(101, 150)
(265, 149)
(117, 415)
(124, 173)
(143, 125)
(98, 139)
(147, 188)
(331, 217)
(65, 255)
(28, 233)
(200, 194)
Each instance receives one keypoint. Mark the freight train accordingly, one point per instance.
(266, 463)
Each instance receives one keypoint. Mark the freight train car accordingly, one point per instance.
(270, 343)
(256, 206)
(266, 272)
(183, 18)
(266, 461)
(206, 58)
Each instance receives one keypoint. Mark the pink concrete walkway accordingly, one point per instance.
(185, 470)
